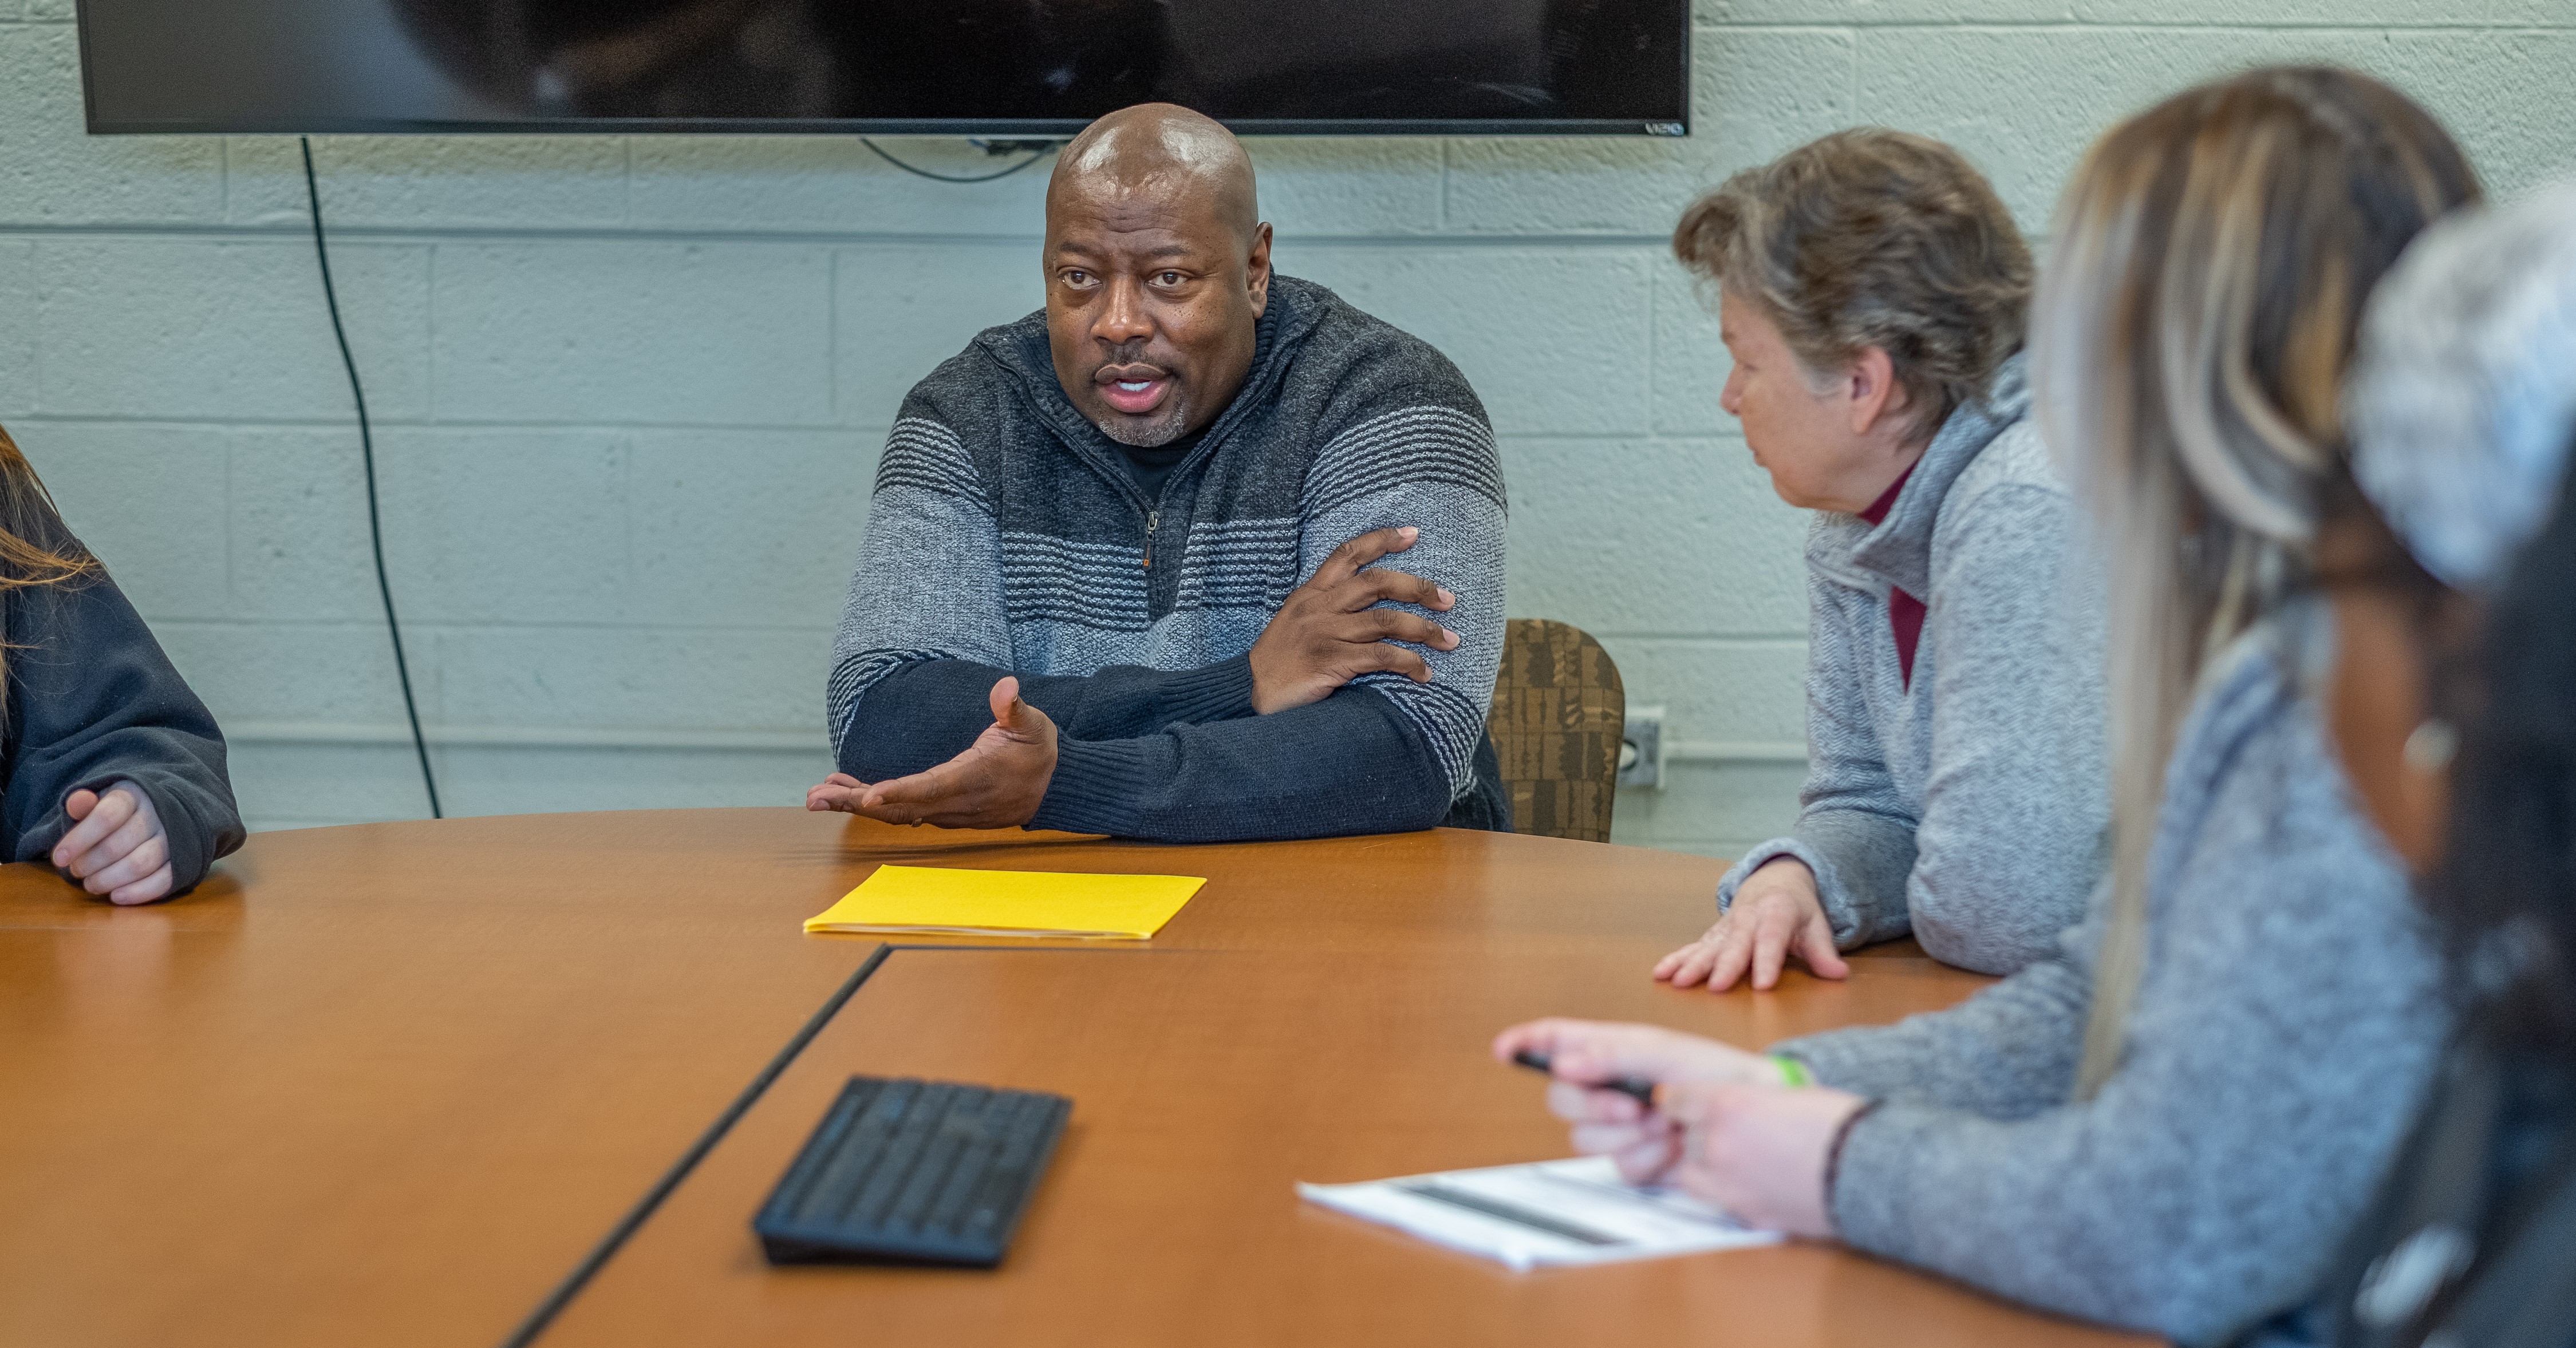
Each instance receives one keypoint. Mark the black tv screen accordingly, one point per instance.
(892, 67)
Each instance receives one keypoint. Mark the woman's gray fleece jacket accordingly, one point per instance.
(2282, 1037)
(1969, 806)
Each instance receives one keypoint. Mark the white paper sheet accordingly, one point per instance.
(1550, 1212)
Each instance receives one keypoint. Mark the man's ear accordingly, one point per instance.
(1877, 400)
(1256, 269)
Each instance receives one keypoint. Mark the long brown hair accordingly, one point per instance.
(2189, 341)
(35, 549)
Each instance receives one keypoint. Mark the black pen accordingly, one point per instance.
(1638, 1087)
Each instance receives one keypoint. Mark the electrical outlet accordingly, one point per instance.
(1641, 749)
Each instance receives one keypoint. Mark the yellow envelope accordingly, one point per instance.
(933, 900)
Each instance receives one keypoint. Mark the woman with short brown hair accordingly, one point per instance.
(114, 769)
(2167, 1124)
(1872, 290)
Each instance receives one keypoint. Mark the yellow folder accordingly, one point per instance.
(930, 899)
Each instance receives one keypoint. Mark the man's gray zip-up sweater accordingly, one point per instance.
(1006, 535)
(1968, 806)
(2283, 1035)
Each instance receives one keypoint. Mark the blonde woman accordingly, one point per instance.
(115, 771)
(1872, 290)
(2167, 1125)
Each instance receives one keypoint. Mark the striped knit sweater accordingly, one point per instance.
(1006, 535)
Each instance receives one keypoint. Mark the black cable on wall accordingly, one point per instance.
(367, 452)
(1037, 150)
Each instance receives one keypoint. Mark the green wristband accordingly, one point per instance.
(1792, 1071)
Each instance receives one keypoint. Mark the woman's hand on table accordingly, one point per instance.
(1758, 1151)
(117, 846)
(1776, 914)
(1586, 1056)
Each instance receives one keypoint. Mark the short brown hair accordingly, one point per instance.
(1871, 237)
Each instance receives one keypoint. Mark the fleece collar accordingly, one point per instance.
(1897, 550)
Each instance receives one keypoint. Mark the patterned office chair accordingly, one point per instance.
(1559, 711)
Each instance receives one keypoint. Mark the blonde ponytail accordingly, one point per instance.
(2189, 338)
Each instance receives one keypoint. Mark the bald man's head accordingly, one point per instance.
(1163, 149)
(1158, 271)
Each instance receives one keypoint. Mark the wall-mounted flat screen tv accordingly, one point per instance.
(888, 67)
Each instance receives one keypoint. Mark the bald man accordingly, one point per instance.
(1121, 572)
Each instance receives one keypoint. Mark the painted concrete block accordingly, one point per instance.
(424, 182)
(629, 333)
(52, 172)
(1554, 340)
(49, 11)
(828, 184)
(1754, 94)
(18, 339)
(506, 526)
(1308, 186)
(1691, 363)
(746, 528)
(322, 785)
(2338, 13)
(527, 781)
(1735, 690)
(2026, 104)
(296, 785)
(280, 671)
(1314, 186)
(149, 501)
(1653, 536)
(602, 677)
(181, 328)
(1712, 809)
(298, 524)
(899, 310)
(2504, 95)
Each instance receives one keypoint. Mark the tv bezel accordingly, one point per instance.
(997, 128)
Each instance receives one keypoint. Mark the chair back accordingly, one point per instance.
(1559, 713)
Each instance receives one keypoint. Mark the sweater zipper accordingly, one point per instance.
(1152, 518)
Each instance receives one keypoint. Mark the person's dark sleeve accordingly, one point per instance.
(93, 700)
(929, 711)
(1352, 763)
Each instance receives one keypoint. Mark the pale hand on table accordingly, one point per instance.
(1758, 1151)
(1330, 631)
(1645, 1142)
(1776, 914)
(116, 846)
(997, 783)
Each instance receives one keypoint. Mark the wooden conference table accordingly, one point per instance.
(525, 1079)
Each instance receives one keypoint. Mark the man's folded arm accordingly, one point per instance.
(924, 711)
(1351, 763)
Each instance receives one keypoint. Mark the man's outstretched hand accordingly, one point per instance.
(1326, 634)
(996, 783)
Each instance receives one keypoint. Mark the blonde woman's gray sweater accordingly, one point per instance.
(2283, 1035)
(1967, 804)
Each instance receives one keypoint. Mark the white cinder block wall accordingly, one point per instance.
(629, 391)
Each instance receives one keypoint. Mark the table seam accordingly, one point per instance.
(573, 1284)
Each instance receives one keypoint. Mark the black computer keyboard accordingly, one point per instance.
(930, 1171)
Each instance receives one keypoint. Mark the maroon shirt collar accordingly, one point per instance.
(1877, 512)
